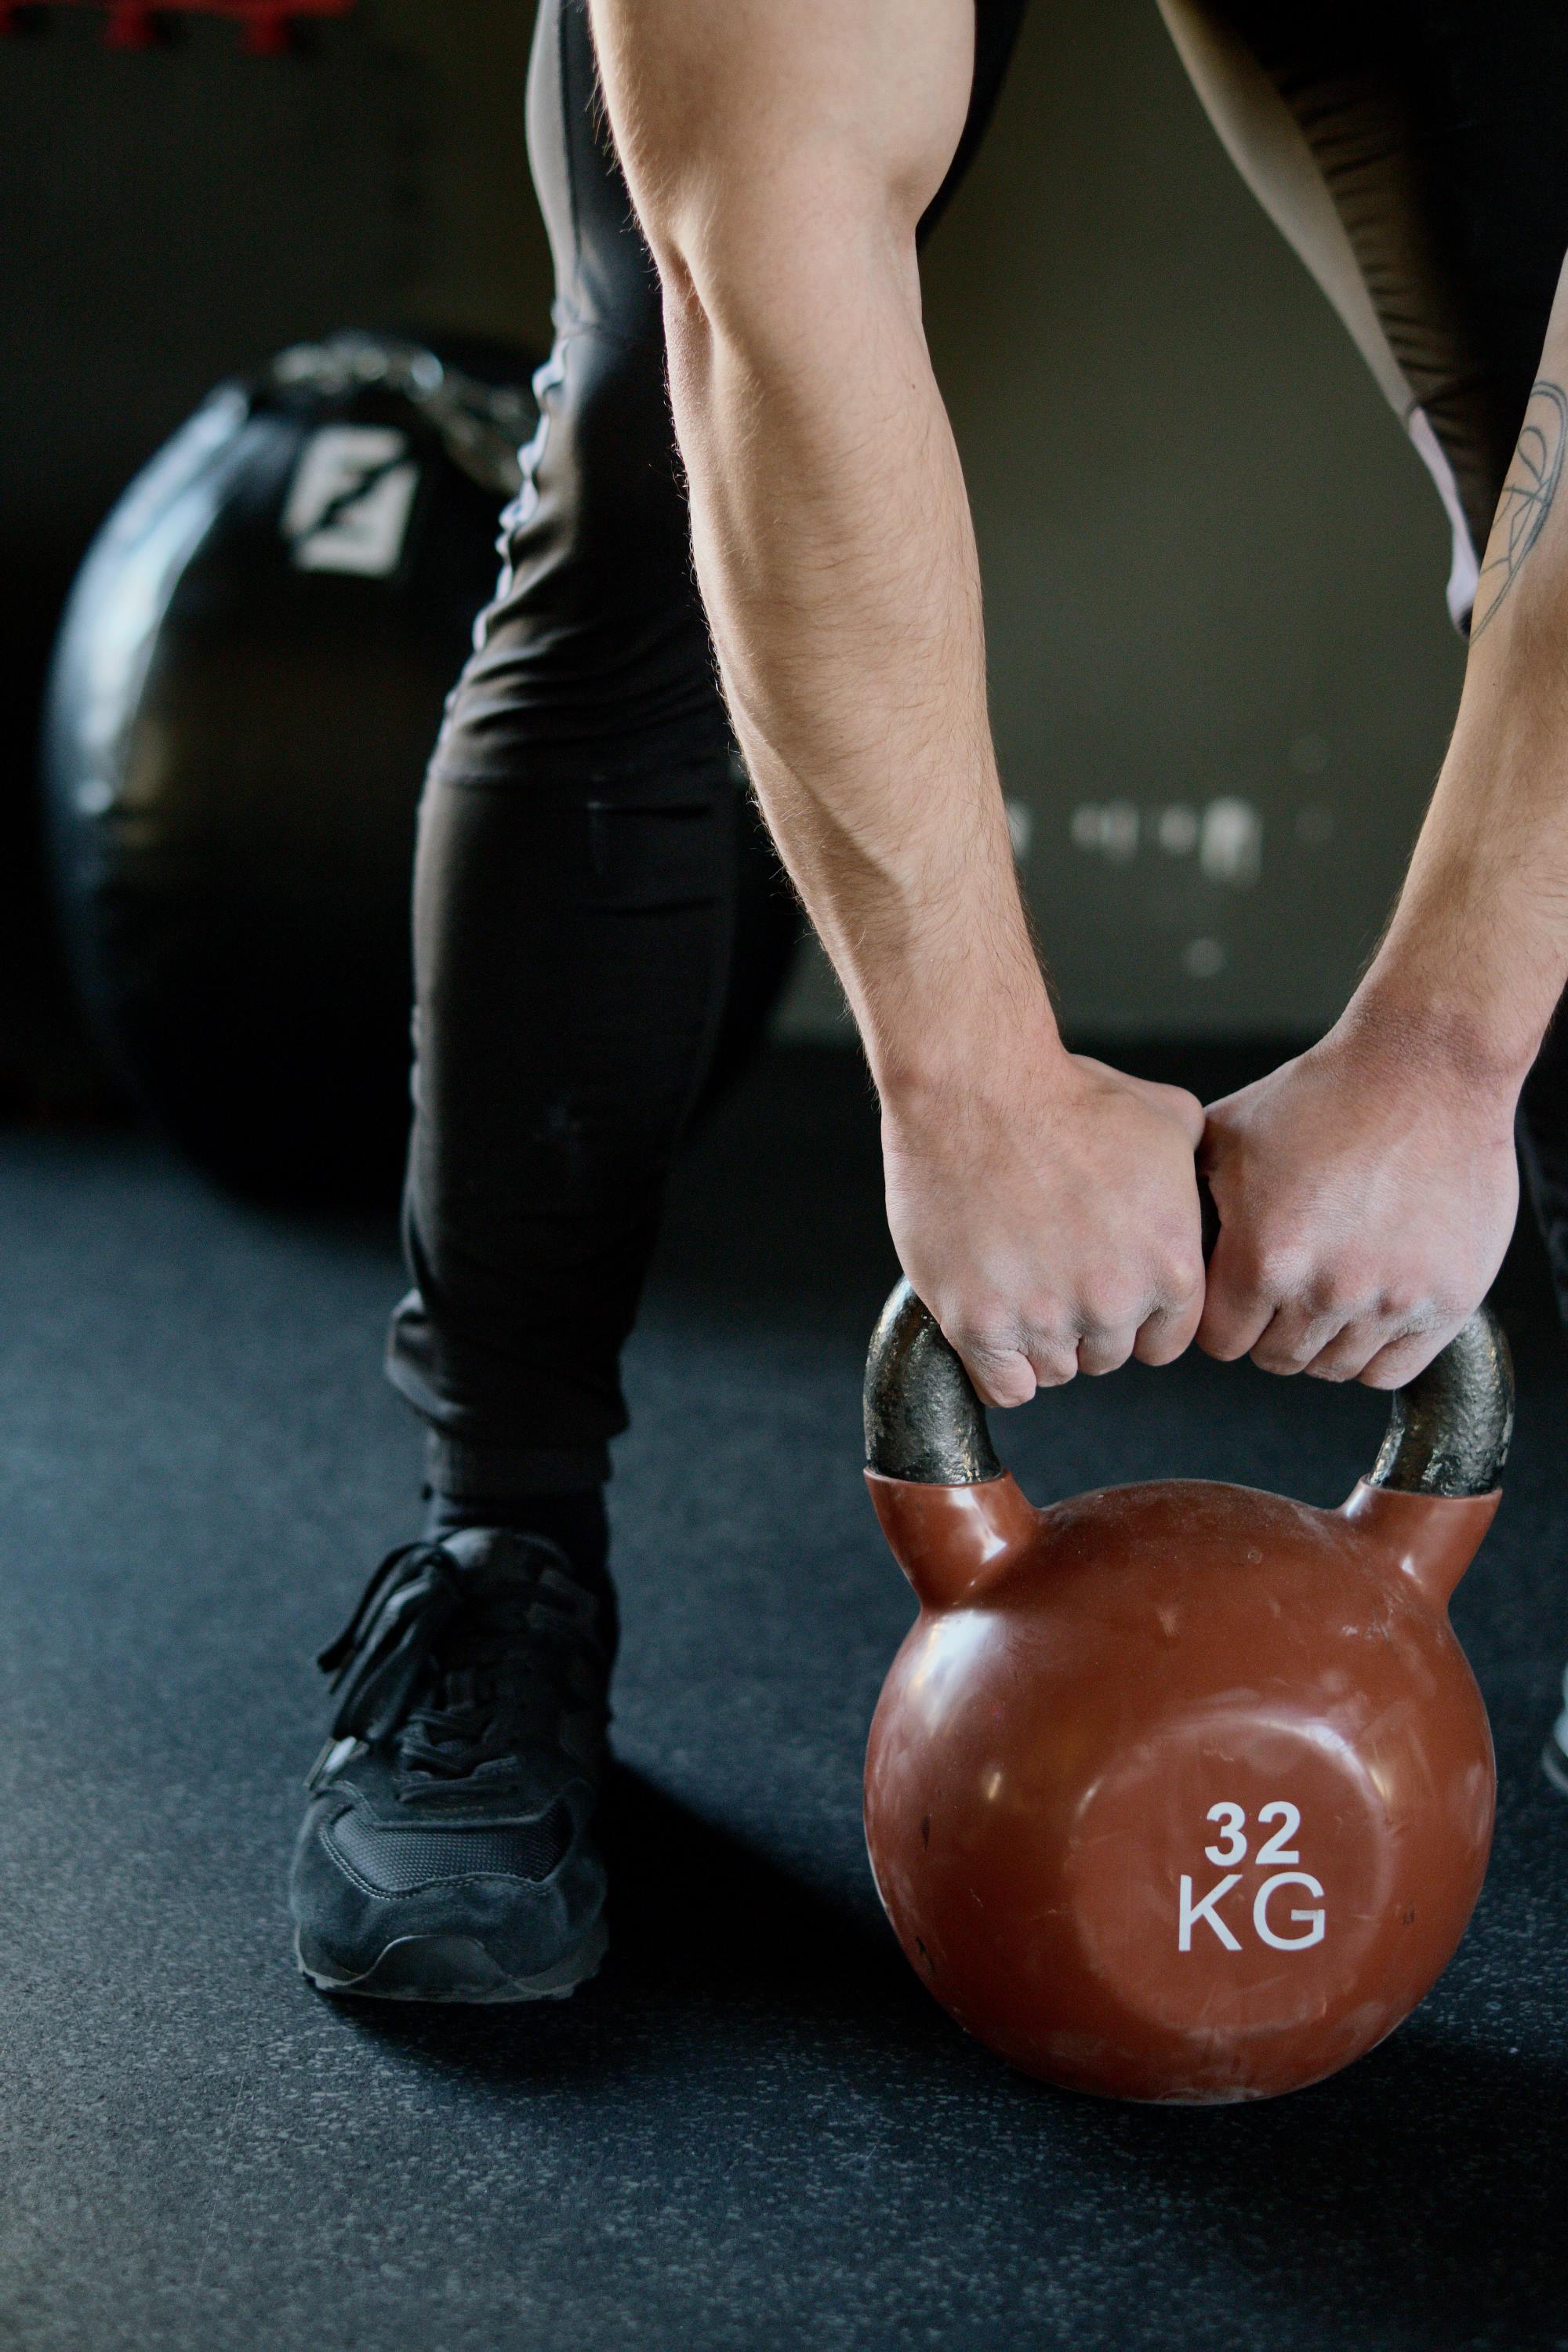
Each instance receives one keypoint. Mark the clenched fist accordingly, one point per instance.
(1366, 1194)
(1049, 1217)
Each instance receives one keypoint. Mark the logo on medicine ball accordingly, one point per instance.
(1263, 1910)
(349, 500)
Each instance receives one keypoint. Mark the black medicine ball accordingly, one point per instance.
(248, 681)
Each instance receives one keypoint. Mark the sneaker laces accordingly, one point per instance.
(461, 1666)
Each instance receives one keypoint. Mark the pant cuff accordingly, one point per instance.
(507, 1474)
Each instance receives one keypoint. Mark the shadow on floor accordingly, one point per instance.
(1339, 2193)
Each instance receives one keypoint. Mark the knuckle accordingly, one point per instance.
(1326, 1306)
(984, 1336)
(1158, 1349)
(1277, 1358)
(1113, 1307)
(1395, 1364)
(1053, 1357)
(990, 1355)
(1047, 1327)
(1180, 1273)
(1409, 1306)
(1345, 1287)
(1276, 1269)
(1296, 1346)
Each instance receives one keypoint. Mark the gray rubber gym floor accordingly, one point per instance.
(754, 2130)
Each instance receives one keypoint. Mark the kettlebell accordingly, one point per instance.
(1180, 1792)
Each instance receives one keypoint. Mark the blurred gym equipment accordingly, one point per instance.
(247, 682)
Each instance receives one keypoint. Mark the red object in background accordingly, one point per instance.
(133, 24)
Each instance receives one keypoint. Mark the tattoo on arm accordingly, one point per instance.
(1526, 497)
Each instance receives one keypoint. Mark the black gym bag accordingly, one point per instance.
(247, 683)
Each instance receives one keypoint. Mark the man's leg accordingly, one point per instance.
(575, 879)
(575, 884)
(575, 898)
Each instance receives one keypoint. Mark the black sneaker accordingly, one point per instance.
(447, 1851)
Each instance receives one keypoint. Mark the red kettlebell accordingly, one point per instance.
(1180, 1792)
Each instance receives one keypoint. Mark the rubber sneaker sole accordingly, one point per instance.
(454, 1968)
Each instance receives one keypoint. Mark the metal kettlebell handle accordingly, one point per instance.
(1448, 1429)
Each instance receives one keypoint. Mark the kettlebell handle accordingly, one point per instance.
(1448, 1429)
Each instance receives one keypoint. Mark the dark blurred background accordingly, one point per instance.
(1220, 669)
(174, 215)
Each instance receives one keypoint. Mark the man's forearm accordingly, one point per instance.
(838, 562)
(781, 162)
(1476, 956)
(1367, 1189)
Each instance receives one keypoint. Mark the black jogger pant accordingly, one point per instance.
(589, 930)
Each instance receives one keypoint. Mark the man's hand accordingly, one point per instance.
(1366, 1194)
(1052, 1223)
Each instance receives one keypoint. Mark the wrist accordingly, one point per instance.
(991, 1050)
(1405, 1035)
(1470, 972)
